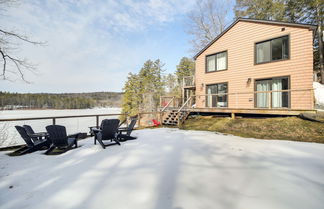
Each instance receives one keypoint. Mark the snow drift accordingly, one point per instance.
(318, 93)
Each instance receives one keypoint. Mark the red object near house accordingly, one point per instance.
(156, 123)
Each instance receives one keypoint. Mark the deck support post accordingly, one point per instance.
(139, 120)
(53, 121)
(233, 115)
(97, 121)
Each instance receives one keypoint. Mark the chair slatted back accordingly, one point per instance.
(25, 136)
(131, 127)
(109, 128)
(30, 131)
(57, 134)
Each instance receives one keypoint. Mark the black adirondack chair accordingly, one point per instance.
(94, 129)
(31, 132)
(124, 134)
(108, 131)
(59, 138)
(31, 146)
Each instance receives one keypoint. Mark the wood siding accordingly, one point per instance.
(239, 42)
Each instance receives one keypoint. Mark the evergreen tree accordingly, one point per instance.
(186, 67)
(142, 91)
(260, 9)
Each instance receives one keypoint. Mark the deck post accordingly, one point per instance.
(269, 100)
(97, 121)
(161, 116)
(139, 119)
(232, 115)
(53, 121)
(161, 100)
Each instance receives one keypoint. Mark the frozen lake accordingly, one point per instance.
(9, 136)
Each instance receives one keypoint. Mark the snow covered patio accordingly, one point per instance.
(168, 169)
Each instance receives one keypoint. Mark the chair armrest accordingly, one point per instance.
(96, 130)
(92, 127)
(123, 129)
(76, 135)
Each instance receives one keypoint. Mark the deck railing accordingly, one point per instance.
(188, 81)
(236, 99)
(73, 123)
(167, 102)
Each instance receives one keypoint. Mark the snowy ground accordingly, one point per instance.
(9, 135)
(169, 169)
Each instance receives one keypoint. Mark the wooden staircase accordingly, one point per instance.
(175, 117)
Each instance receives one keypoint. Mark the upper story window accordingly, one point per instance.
(272, 50)
(216, 62)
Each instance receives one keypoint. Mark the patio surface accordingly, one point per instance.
(169, 169)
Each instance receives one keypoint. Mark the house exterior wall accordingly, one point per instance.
(239, 42)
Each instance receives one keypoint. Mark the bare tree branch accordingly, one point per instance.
(9, 43)
(206, 21)
(22, 38)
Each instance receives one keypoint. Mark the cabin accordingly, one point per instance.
(252, 67)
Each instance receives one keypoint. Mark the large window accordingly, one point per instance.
(216, 62)
(272, 50)
(216, 95)
(271, 93)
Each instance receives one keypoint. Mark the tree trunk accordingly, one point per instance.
(320, 44)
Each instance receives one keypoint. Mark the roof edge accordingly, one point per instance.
(309, 26)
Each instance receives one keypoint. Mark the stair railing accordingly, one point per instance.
(163, 109)
(184, 104)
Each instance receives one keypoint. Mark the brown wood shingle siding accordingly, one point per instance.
(239, 42)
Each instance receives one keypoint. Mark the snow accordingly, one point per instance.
(9, 135)
(169, 169)
(319, 93)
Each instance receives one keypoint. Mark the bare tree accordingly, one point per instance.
(9, 44)
(206, 21)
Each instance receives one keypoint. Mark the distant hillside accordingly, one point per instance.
(60, 101)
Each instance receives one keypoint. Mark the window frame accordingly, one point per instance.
(260, 42)
(210, 84)
(215, 54)
(272, 78)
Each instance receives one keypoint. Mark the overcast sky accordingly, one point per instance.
(93, 45)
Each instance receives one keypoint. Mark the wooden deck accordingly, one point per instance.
(260, 111)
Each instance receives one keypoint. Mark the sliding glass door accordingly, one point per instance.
(216, 95)
(276, 98)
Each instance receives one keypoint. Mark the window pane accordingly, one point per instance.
(279, 99)
(262, 98)
(285, 47)
(211, 63)
(276, 94)
(211, 99)
(263, 52)
(219, 100)
(277, 49)
(221, 61)
(222, 96)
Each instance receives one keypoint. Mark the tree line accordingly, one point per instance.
(142, 90)
(59, 101)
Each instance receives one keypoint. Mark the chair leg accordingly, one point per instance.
(101, 143)
(52, 147)
(28, 150)
(117, 141)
